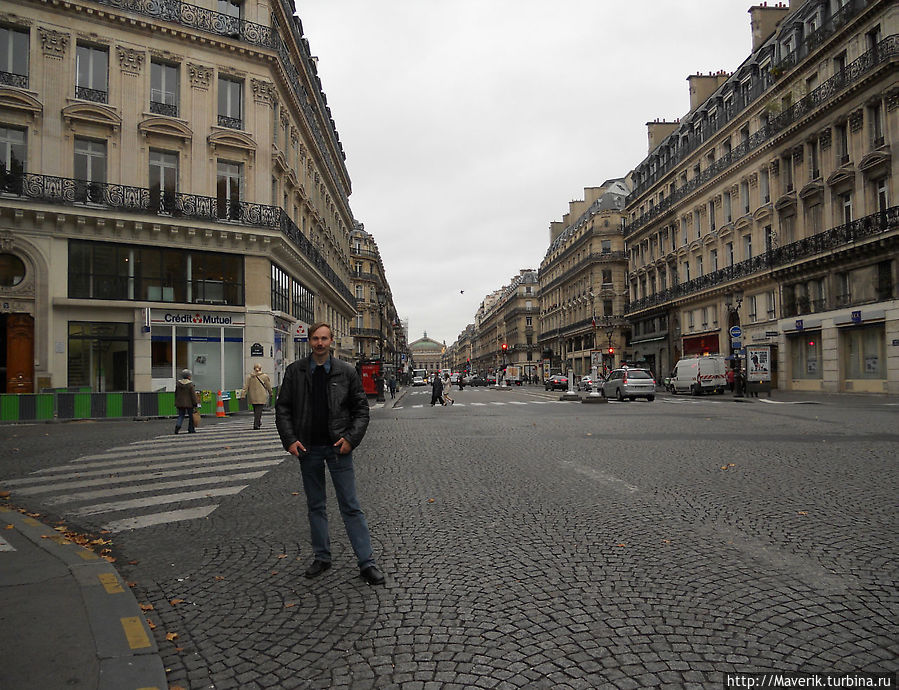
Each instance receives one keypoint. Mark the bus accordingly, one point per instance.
(420, 372)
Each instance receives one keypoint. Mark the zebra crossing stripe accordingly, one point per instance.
(144, 488)
(162, 454)
(151, 501)
(159, 518)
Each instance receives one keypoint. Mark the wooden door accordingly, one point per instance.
(19, 353)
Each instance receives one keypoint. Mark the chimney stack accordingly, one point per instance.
(764, 19)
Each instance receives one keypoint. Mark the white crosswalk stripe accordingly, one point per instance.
(125, 488)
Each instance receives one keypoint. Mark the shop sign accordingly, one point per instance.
(857, 316)
(196, 318)
(301, 332)
(772, 334)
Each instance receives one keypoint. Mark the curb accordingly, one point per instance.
(124, 644)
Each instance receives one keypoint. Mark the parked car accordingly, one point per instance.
(491, 379)
(477, 380)
(699, 375)
(556, 382)
(454, 377)
(587, 383)
(629, 384)
(418, 381)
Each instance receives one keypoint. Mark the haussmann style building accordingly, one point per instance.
(173, 195)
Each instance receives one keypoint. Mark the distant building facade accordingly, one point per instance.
(173, 195)
(766, 216)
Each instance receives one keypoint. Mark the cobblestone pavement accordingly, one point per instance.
(530, 543)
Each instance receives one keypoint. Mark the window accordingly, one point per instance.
(360, 292)
(769, 238)
(787, 224)
(91, 70)
(729, 250)
(697, 224)
(863, 352)
(607, 246)
(875, 118)
(683, 230)
(845, 206)
(686, 271)
(744, 196)
(228, 190)
(764, 185)
(14, 57)
(747, 247)
(753, 308)
(841, 143)
(163, 180)
(90, 169)
(882, 192)
(698, 266)
(607, 307)
(769, 302)
(12, 159)
(805, 355)
(606, 277)
(230, 103)
(728, 216)
(786, 164)
(814, 167)
(713, 259)
(839, 63)
(233, 13)
(100, 355)
(163, 89)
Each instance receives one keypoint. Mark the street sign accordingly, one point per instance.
(736, 344)
(735, 331)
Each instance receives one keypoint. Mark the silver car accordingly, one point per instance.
(629, 384)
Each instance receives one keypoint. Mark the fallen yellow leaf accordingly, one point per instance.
(10, 527)
(171, 637)
(146, 607)
(175, 602)
(151, 624)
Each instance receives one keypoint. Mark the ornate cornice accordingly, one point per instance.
(54, 43)
(130, 61)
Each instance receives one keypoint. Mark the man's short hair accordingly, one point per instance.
(321, 324)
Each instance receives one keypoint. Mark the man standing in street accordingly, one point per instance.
(322, 414)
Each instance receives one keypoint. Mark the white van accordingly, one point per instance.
(699, 375)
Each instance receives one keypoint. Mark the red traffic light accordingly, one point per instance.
(611, 350)
(505, 347)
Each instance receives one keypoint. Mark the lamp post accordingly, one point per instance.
(609, 328)
(732, 302)
(379, 381)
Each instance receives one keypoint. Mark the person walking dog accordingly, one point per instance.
(322, 414)
(185, 401)
(258, 391)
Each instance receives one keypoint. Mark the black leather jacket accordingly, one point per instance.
(348, 412)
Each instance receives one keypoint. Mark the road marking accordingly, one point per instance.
(158, 453)
(497, 403)
(159, 486)
(135, 633)
(479, 404)
(159, 518)
(5, 545)
(152, 501)
(111, 583)
(513, 402)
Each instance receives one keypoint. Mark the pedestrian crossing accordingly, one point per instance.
(168, 479)
(462, 405)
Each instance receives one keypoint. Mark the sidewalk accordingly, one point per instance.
(67, 619)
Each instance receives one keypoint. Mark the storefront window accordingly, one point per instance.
(233, 354)
(99, 356)
(863, 352)
(805, 353)
(214, 355)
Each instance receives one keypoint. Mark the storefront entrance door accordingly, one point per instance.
(19, 330)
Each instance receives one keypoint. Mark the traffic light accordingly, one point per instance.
(505, 347)
(611, 350)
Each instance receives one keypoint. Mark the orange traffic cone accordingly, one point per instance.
(220, 406)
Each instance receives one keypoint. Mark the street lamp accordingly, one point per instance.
(732, 302)
(379, 381)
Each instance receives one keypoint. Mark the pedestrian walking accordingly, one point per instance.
(322, 415)
(258, 392)
(391, 384)
(730, 379)
(447, 385)
(437, 391)
(185, 401)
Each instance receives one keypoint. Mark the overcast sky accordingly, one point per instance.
(469, 125)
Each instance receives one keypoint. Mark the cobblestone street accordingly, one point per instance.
(533, 543)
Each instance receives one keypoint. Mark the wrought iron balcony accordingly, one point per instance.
(94, 95)
(365, 333)
(230, 122)
(886, 50)
(809, 247)
(66, 191)
(169, 109)
(13, 79)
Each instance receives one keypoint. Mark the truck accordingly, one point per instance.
(698, 375)
(513, 375)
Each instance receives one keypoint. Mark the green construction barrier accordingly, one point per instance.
(114, 404)
(9, 407)
(82, 406)
(167, 404)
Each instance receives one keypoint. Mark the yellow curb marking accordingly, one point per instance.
(88, 555)
(110, 583)
(4, 509)
(58, 539)
(32, 522)
(135, 633)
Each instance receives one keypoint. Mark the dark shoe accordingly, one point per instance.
(177, 429)
(192, 431)
(372, 575)
(317, 568)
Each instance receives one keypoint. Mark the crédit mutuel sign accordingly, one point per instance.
(196, 318)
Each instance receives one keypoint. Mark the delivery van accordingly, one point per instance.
(698, 375)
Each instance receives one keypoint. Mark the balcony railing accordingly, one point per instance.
(365, 333)
(808, 247)
(70, 192)
(886, 50)
(230, 122)
(13, 79)
(95, 95)
(169, 109)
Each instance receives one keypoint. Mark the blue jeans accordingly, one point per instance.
(312, 466)
(189, 412)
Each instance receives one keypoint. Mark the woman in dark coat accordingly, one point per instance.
(185, 401)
